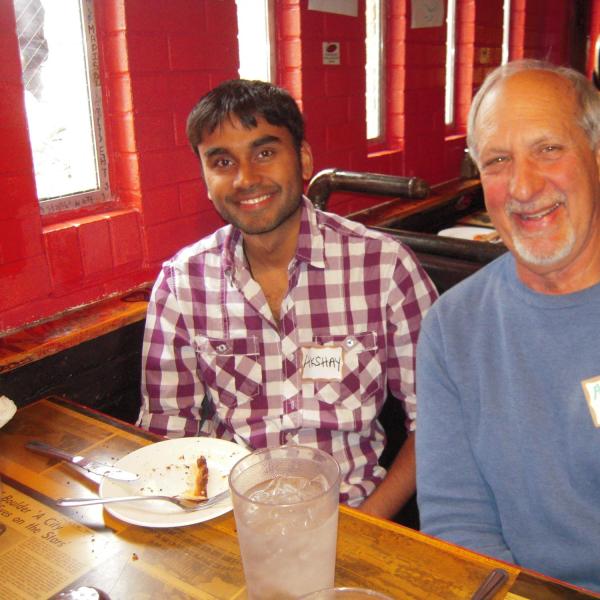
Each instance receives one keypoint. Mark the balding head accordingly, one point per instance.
(586, 98)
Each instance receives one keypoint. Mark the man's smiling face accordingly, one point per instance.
(539, 174)
(254, 176)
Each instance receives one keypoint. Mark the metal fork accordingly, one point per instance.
(180, 501)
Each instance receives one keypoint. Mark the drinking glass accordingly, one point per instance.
(285, 503)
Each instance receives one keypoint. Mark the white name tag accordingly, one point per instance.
(591, 389)
(322, 362)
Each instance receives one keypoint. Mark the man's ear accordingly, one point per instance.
(306, 160)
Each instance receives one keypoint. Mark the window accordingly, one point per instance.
(450, 62)
(59, 60)
(255, 32)
(505, 31)
(375, 70)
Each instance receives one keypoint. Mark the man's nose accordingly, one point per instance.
(526, 180)
(247, 175)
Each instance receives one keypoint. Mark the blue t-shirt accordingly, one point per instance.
(508, 443)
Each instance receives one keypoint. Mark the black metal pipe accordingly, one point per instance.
(429, 243)
(324, 183)
(453, 251)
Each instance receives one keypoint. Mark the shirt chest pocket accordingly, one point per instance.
(362, 375)
(231, 368)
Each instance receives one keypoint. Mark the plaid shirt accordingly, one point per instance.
(210, 332)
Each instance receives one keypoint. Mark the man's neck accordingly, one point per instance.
(573, 278)
(268, 259)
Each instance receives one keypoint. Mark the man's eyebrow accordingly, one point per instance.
(257, 143)
(546, 138)
(492, 150)
(214, 151)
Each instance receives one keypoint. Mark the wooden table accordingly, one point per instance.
(45, 549)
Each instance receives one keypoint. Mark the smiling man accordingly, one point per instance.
(508, 374)
(288, 325)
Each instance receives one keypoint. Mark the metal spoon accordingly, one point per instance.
(490, 585)
(182, 501)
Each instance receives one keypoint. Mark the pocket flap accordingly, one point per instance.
(247, 346)
(351, 342)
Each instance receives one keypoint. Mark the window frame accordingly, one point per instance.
(270, 30)
(450, 95)
(64, 206)
(506, 37)
(380, 139)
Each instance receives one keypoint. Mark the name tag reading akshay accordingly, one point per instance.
(322, 362)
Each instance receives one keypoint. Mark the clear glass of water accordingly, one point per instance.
(285, 503)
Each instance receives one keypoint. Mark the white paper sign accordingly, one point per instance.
(331, 53)
(322, 362)
(339, 7)
(426, 13)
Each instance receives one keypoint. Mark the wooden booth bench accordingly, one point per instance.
(91, 355)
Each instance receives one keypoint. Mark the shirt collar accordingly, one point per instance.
(310, 249)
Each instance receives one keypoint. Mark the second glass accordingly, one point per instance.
(285, 503)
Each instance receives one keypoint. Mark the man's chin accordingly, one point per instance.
(543, 254)
(257, 230)
(266, 225)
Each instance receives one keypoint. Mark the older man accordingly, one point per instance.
(288, 325)
(508, 374)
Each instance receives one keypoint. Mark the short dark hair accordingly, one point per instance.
(246, 100)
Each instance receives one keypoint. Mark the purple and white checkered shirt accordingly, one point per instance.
(210, 331)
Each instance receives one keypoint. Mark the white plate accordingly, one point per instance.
(164, 469)
(465, 232)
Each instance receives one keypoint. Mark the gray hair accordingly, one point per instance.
(586, 95)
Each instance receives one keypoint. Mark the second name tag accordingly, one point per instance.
(322, 362)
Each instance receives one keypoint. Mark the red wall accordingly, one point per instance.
(158, 58)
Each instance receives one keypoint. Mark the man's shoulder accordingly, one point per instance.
(475, 289)
(348, 229)
(201, 250)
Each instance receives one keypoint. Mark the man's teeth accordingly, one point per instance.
(539, 215)
(254, 200)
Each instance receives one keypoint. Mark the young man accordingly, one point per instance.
(288, 325)
(508, 443)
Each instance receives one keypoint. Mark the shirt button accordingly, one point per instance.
(350, 342)
(222, 347)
